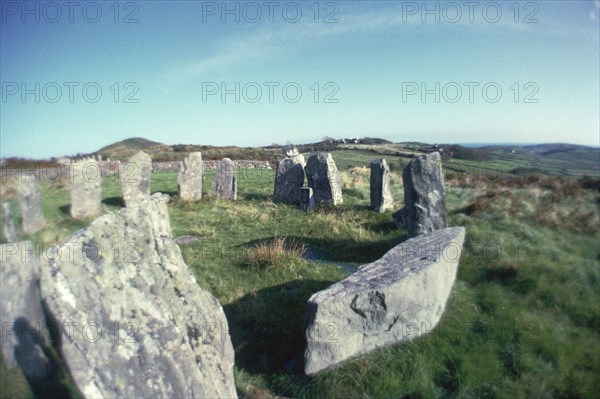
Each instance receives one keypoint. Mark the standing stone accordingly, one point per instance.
(396, 298)
(307, 200)
(21, 314)
(424, 196)
(323, 177)
(30, 202)
(381, 196)
(289, 178)
(8, 224)
(162, 336)
(189, 178)
(292, 152)
(135, 176)
(224, 184)
(86, 189)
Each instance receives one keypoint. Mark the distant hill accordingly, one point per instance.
(547, 149)
(134, 142)
(123, 150)
(559, 159)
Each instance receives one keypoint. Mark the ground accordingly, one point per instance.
(523, 319)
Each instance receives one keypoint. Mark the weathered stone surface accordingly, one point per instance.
(135, 176)
(381, 196)
(146, 329)
(307, 200)
(86, 189)
(30, 202)
(396, 298)
(424, 196)
(224, 184)
(323, 177)
(21, 313)
(190, 178)
(8, 224)
(289, 178)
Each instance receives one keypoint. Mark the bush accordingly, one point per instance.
(276, 253)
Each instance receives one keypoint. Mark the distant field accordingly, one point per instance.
(569, 163)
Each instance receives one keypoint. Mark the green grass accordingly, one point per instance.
(523, 319)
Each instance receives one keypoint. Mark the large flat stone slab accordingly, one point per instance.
(396, 298)
(134, 322)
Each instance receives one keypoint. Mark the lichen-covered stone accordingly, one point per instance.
(190, 177)
(86, 189)
(224, 184)
(424, 196)
(289, 178)
(135, 176)
(144, 326)
(396, 298)
(323, 177)
(8, 224)
(381, 196)
(30, 202)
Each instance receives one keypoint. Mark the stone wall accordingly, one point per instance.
(109, 168)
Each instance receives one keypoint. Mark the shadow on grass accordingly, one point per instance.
(339, 250)
(267, 327)
(65, 209)
(114, 201)
(37, 357)
(257, 197)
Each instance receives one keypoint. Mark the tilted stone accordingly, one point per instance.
(30, 202)
(381, 196)
(424, 196)
(8, 224)
(289, 178)
(146, 329)
(323, 177)
(86, 189)
(396, 298)
(135, 176)
(24, 334)
(189, 178)
(224, 184)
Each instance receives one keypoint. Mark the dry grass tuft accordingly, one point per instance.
(277, 253)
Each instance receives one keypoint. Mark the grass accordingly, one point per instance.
(280, 252)
(523, 319)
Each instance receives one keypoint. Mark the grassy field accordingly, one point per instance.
(574, 162)
(523, 319)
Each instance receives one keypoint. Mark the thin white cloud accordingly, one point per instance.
(276, 39)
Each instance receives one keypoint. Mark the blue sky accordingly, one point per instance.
(406, 71)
